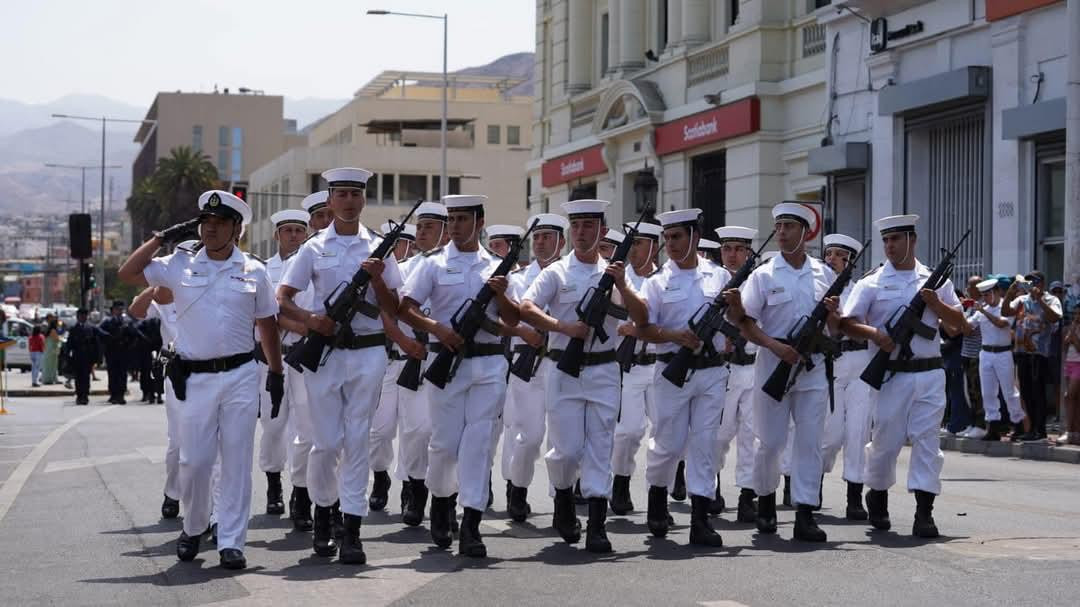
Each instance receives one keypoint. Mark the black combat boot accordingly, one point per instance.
(579, 499)
(565, 518)
(877, 508)
(747, 507)
(406, 495)
(380, 491)
(806, 528)
(413, 514)
(787, 492)
(621, 503)
(596, 539)
(336, 523)
(187, 547)
(231, 558)
(820, 495)
(170, 508)
(855, 510)
(509, 486)
(657, 516)
(442, 510)
(469, 542)
(716, 504)
(491, 495)
(274, 503)
(924, 526)
(517, 503)
(322, 536)
(301, 509)
(453, 514)
(352, 550)
(701, 530)
(766, 513)
(678, 490)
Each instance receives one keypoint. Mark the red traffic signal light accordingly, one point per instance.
(240, 191)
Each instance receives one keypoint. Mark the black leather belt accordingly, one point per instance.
(699, 362)
(787, 342)
(215, 365)
(849, 345)
(590, 359)
(642, 359)
(742, 359)
(916, 365)
(996, 348)
(359, 342)
(395, 354)
(260, 356)
(474, 350)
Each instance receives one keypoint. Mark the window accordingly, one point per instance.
(196, 138)
(733, 12)
(223, 137)
(387, 189)
(237, 137)
(604, 33)
(455, 186)
(223, 161)
(1050, 221)
(513, 135)
(371, 192)
(413, 188)
(237, 164)
(821, 3)
(661, 23)
(494, 134)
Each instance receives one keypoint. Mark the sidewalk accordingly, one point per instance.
(18, 385)
(1040, 450)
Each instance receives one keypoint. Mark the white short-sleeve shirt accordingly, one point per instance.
(445, 278)
(519, 283)
(559, 288)
(674, 295)
(991, 335)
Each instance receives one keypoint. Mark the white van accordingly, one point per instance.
(18, 355)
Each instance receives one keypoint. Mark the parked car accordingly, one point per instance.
(18, 355)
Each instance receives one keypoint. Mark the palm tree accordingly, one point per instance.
(178, 180)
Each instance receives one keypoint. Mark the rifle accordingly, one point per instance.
(808, 335)
(597, 306)
(528, 360)
(341, 306)
(625, 354)
(711, 320)
(906, 322)
(470, 317)
(409, 378)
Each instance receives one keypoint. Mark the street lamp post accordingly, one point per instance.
(82, 168)
(443, 183)
(101, 215)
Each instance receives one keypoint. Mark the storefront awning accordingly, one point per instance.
(566, 168)
(965, 85)
(1027, 121)
(732, 120)
(840, 159)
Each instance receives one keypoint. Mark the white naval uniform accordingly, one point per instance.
(636, 410)
(778, 296)
(847, 426)
(343, 393)
(413, 412)
(996, 368)
(464, 414)
(581, 411)
(273, 448)
(525, 411)
(686, 418)
(219, 412)
(909, 406)
(737, 422)
(166, 313)
(299, 429)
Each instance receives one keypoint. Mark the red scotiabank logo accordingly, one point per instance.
(569, 168)
(817, 222)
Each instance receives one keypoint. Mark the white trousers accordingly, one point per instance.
(299, 428)
(634, 414)
(273, 444)
(384, 422)
(909, 407)
(342, 397)
(463, 420)
(524, 420)
(806, 408)
(172, 451)
(847, 426)
(738, 423)
(414, 430)
(686, 421)
(996, 371)
(218, 414)
(581, 414)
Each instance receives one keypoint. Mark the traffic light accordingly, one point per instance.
(87, 279)
(240, 191)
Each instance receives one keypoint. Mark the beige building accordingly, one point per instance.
(721, 99)
(392, 127)
(237, 132)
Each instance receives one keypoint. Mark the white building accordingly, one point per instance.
(723, 100)
(960, 118)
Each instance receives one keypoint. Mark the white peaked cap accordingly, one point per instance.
(736, 233)
(408, 234)
(585, 206)
(347, 177)
(680, 217)
(842, 241)
(986, 285)
(705, 244)
(549, 221)
(212, 200)
(316, 201)
(504, 231)
(896, 223)
(290, 216)
(464, 202)
(794, 209)
(431, 210)
(614, 236)
(649, 230)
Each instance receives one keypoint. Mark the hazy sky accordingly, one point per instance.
(130, 49)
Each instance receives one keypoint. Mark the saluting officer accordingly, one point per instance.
(523, 417)
(343, 393)
(911, 402)
(775, 297)
(686, 417)
(465, 411)
(220, 293)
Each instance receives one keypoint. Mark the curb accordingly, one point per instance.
(51, 393)
(1040, 451)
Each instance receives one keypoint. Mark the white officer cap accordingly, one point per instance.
(347, 177)
(649, 230)
(796, 211)
(288, 216)
(682, 217)
(220, 202)
(896, 223)
(847, 243)
(464, 202)
(585, 208)
(316, 201)
(704, 244)
(431, 210)
(408, 234)
(504, 231)
(738, 233)
(986, 285)
(549, 221)
(614, 237)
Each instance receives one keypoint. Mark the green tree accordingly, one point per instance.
(168, 196)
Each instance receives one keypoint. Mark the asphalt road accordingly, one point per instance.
(80, 525)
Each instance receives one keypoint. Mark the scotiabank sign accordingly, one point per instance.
(727, 121)
(572, 166)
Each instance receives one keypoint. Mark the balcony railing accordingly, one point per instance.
(708, 64)
(813, 40)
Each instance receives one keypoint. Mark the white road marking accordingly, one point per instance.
(14, 484)
(155, 455)
(512, 530)
(18, 446)
(722, 604)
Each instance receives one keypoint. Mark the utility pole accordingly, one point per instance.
(1072, 148)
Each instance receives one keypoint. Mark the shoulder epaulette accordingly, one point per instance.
(653, 273)
(434, 251)
(312, 235)
(519, 270)
(291, 255)
(193, 250)
(256, 258)
(872, 271)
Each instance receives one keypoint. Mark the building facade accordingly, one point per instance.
(721, 100)
(954, 111)
(392, 127)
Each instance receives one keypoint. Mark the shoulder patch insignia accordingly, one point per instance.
(434, 251)
(256, 258)
(873, 271)
(312, 235)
